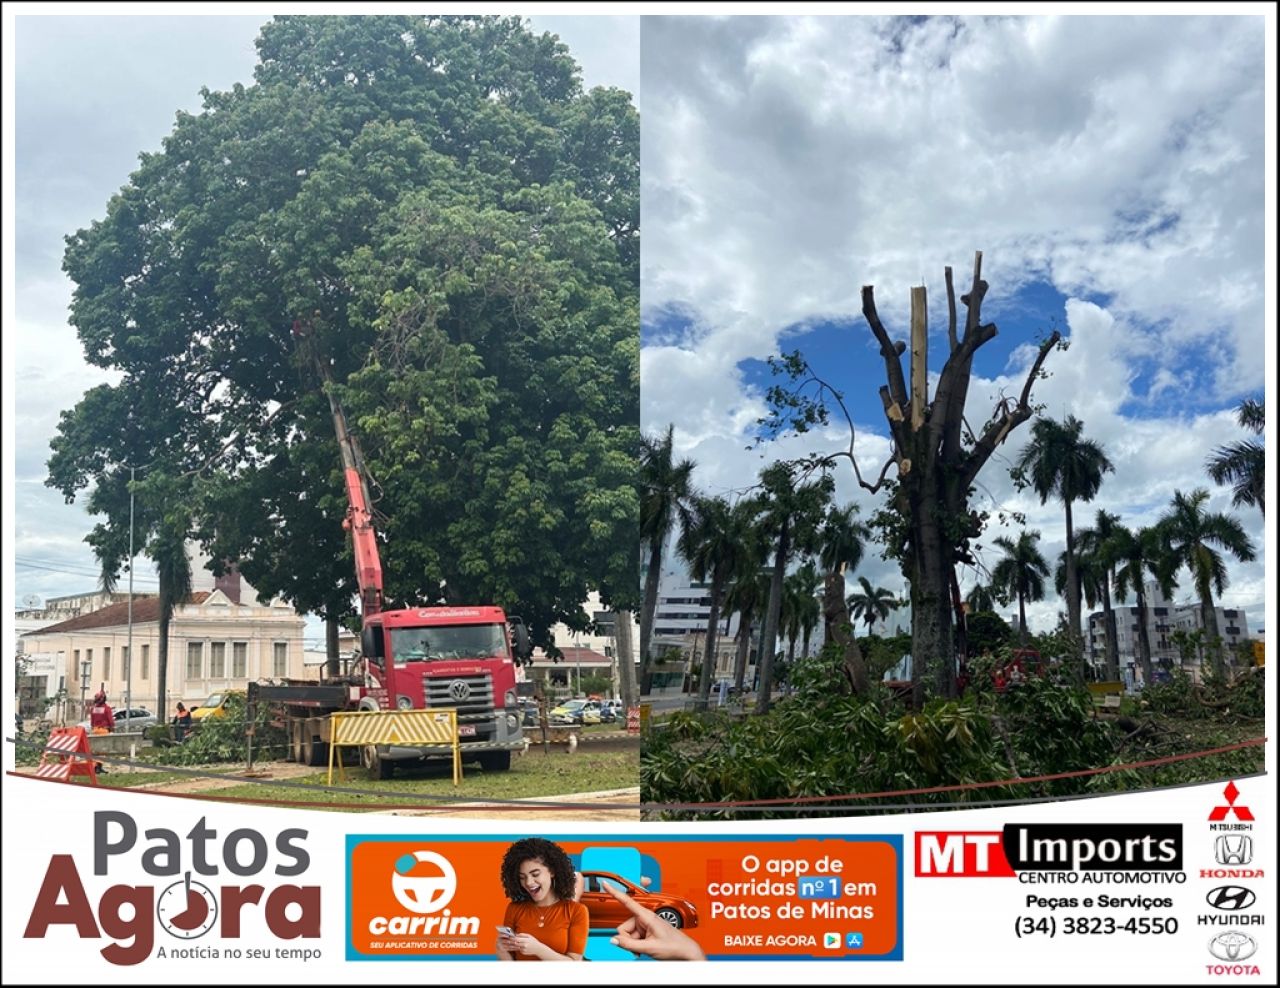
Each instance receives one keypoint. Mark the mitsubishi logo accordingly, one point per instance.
(1222, 812)
(459, 691)
(1232, 897)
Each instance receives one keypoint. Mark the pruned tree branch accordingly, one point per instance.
(890, 352)
(951, 310)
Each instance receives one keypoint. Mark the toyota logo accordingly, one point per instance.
(1232, 897)
(1233, 946)
(459, 691)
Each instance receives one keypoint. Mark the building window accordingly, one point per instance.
(195, 660)
(88, 657)
(1229, 615)
(1232, 631)
(280, 660)
(239, 660)
(146, 661)
(217, 659)
(106, 664)
(1162, 611)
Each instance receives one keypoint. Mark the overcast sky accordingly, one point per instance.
(1111, 170)
(91, 93)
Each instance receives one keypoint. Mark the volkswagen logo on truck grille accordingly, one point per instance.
(459, 691)
(1233, 897)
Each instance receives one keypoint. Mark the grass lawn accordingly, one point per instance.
(530, 776)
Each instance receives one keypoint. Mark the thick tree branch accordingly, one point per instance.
(1001, 425)
(951, 310)
(890, 352)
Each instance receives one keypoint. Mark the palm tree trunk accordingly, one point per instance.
(709, 653)
(771, 620)
(1022, 616)
(162, 663)
(835, 611)
(648, 608)
(1144, 639)
(1073, 598)
(744, 647)
(1109, 624)
(1209, 621)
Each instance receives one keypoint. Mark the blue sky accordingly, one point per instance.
(1112, 171)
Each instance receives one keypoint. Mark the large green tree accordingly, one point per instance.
(1197, 538)
(1060, 462)
(455, 223)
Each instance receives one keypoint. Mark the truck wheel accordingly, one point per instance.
(380, 768)
(496, 761)
(314, 751)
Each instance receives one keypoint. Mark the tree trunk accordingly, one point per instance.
(1109, 622)
(771, 620)
(709, 653)
(1073, 601)
(930, 607)
(1022, 615)
(333, 664)
(745, 628)
(162, 663)
(1144, 639)
(626, 659)
(647, 611)
(1209, 621)
(835, 612)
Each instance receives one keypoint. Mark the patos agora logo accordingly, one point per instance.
(424, 883)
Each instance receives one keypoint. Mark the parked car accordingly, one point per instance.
(581, 712)
(215, 706)
(607, 713)
(606, 911)
(130, 720)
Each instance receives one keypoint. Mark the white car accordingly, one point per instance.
(129, 721)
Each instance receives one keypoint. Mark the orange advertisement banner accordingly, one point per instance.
(787, 897)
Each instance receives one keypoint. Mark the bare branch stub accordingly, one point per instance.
(951, 310)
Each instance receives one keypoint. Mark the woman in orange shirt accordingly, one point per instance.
(546, 923)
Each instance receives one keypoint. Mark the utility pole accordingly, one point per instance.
(128, 652)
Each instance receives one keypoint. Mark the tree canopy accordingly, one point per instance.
(457, 222)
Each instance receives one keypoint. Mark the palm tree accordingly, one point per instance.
(1244, 463)
(1060, 463)
(712, 544)
(872, 604)
(1101, 544)
(1192, 533)
(1140, 554)
(841, 544)
(800, 606)
(789, 518)
(665, 494)
(1020, 574)
(981, 598)
(169, 550)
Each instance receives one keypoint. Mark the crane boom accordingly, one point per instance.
(358, 520)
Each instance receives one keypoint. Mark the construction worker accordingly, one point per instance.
(101, 719)
(181, 722)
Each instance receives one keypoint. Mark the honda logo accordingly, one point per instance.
(459, 691)
(1232, 897)
(1231, 849)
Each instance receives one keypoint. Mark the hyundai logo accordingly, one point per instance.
(1233, 946)
(1233, 897)
(459, 691)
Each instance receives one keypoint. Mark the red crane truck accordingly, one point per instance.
(415, 658)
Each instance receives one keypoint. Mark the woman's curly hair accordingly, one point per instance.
(550, 854)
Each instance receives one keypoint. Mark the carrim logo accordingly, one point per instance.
(1232, 897)
(424, 893)
(1233, 946)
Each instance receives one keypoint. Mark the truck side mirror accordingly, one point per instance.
(521, 645)
(371, 643)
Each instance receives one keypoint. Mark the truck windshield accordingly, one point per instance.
(460, 641)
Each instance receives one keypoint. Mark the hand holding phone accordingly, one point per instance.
(506, 931)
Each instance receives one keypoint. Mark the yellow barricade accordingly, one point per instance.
(408, 728)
